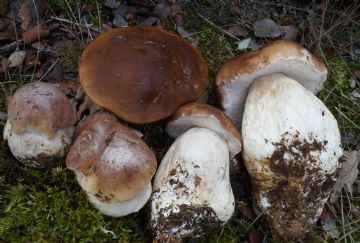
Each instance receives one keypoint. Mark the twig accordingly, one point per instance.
(222, 30)
(74, 23)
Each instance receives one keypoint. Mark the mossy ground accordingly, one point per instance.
(49, 206)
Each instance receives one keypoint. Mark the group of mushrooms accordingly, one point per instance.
(290, 141)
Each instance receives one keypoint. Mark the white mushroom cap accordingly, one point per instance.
(40, 124)
(112, 163)
(291, 150)
(282, 56)
(205, 116)
(192, 193)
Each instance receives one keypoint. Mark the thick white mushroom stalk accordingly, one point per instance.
(291, 147)
(192, 193)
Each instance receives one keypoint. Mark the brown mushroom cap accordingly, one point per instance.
(115, 162)
(205, 116)
(33, 102)
(282, 56)
(142, 74)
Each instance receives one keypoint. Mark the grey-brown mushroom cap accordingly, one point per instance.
(291, 147)
(205, 116)
(234, 77)
(115, 162)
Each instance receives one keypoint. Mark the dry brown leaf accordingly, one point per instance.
(238, 31)
(235, 10)
(357, 74)
(8, 32)
(246, 211)
(4, 65)
(255, 237)
(348, 174)
(25, 15)
(31, 60)
(355, 212)
(35, 33)
(17, 58)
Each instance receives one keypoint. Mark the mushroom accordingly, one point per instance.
(192, 193)
(112, 164)
(291, 147)
(40, 124)
(142, 74)
(282, 56)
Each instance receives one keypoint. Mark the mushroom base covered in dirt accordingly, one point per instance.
(291, 150)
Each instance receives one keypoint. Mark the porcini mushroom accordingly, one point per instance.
(282, 56)
(40, 124)
(142, 74)
(192, 193)
(113, 165)
(291, 147)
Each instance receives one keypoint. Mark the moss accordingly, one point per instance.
(335, 95)
(50, 206)
(215, 48)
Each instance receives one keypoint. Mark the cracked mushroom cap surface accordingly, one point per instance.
(112, 163)
(40, 124)
(291, 147)
(205, 116)
(192, 192)
(282, 56)
(142, 74)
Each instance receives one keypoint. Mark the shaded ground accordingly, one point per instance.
(48, 205)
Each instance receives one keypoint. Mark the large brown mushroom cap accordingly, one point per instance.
(32, 103)
(114, 163)
(142, 74)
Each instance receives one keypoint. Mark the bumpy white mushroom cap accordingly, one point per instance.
(113, 165)
(291, 147)
(36, 149)
(282, 56)
(192, 192)
(40, 124)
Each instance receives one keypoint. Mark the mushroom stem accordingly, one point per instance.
(192, 192)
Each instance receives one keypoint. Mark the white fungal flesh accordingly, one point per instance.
(291, 147)
(27, 147)
(234, 93)
(194, 173)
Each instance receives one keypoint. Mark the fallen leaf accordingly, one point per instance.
(17, 58)
(355, 212)
(290, 32)
(162, 10)
(355, 95)
(255, 237)
(9, 30)
(4, 64)
(10, 48)
(149, 21)
(235, 10)
(32, 60)
(238, 31)
(246, 211)
(348, 174)
(178, 15)
(244, 44)
(357, 74)
(119, 21)
(112, 3)
(25, 16)
(329, 225)
(35, 33)
(266, 28)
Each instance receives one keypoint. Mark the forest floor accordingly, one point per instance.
(48, 205)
